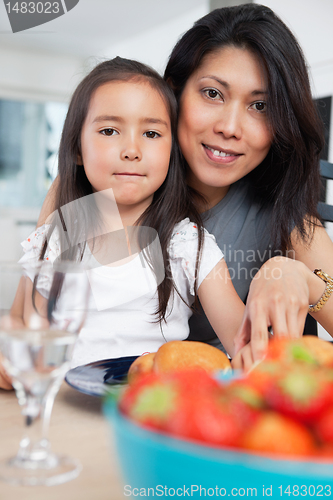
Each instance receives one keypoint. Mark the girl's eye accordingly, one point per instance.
(259, 106)
(109, 131)
(213, 94)
(151, 134)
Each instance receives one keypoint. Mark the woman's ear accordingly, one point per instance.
(79, 160)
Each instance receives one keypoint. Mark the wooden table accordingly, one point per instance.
(77, 429)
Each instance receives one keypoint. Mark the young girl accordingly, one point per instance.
(119, 167)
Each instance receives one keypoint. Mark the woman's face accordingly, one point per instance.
(223, 130)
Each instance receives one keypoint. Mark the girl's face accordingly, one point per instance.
(223, 130)
(126, 142)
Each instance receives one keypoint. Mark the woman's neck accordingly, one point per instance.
(213, 195)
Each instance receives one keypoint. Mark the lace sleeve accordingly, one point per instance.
(184, 246)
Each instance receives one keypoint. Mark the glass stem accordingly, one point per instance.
(36, 411)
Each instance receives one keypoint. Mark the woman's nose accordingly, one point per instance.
(229, 122)
(131, 151)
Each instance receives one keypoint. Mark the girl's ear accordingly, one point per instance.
(79, 160)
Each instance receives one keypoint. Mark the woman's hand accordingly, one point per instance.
(279, 297)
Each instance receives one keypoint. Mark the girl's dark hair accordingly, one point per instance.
(288, 178)
(171, 202)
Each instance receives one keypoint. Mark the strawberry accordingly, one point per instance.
(301, 394)
(194, 380)
(153, 399)
(290, 351)
(309, 350)
(244, 402)
(202, 418)
(261, 377)
(324, 428)
(131, 392)
(274, 433)
(155, 404)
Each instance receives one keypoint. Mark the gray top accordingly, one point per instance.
(242, 231)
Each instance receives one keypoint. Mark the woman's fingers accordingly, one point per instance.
(243, 360)
(243, 335)
(278, 298)
(259, 335)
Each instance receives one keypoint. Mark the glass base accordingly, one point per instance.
(52, 470)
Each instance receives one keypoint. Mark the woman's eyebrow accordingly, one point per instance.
(227, 85)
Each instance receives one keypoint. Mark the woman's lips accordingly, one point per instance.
(220, 155)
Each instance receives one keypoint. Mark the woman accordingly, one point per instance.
(251, 140)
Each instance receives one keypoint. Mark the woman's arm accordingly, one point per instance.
(318, 255)
(222, 305)
(283, 289)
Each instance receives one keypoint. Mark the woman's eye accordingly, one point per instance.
(213, 94)
(109, 131)
(259, 106)
(151, 134)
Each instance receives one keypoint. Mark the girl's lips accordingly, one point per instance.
(130, 174)
(220, 156)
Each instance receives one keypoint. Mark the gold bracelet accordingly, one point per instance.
(327, 292)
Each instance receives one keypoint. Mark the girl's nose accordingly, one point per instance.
(131, 151)
(229, 122)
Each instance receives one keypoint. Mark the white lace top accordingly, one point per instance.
(122, 320)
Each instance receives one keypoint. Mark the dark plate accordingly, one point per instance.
(95, 378)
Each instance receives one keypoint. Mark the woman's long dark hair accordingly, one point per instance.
(171, 202)
(288, 179)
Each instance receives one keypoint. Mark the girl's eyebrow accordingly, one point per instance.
(155, 120)
(105, 118)
(227, 85)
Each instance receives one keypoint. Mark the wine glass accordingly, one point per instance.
(36, 353)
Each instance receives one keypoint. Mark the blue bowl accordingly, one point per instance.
(155, 464)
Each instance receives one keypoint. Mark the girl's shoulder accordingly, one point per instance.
(184, 231)
(184, 240)
(32, 246)
(183, 252)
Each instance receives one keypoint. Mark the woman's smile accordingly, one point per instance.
(219, 155)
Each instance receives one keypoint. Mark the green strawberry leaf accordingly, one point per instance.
(301, 387)
(156, 402)
(301, 353)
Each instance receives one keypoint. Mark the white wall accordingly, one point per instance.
(154, 46)
(37, 75)
(311, 22)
